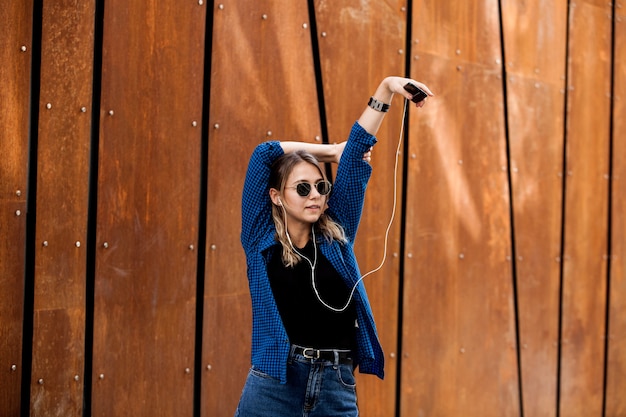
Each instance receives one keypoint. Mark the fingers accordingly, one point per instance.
(367, 156)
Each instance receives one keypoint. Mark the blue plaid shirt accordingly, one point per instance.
(270, 344)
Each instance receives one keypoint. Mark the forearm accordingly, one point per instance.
(323, 152)
(371, 119)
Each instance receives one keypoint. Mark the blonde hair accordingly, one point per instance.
(325, 226)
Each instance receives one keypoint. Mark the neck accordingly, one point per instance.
(300, 235)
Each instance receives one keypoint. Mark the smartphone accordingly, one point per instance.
(418, 93)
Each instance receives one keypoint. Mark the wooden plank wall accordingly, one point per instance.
(126, 129)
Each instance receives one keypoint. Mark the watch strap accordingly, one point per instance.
(378, 105)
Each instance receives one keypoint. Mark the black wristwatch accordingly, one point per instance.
(378, 105)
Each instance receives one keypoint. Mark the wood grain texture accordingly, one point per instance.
(351, 72)
(15, 72)
(64, 152)
(262, 88)
(616, 360)
(535, 39)
(148, 208)
(586, 211)
(459, 343)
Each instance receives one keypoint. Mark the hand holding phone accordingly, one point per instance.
(418, 93)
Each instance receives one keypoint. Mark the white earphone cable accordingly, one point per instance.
(393, 214)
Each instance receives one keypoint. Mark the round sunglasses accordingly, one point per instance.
(304, 188)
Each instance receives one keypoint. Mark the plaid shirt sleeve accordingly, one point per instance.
(270, 344)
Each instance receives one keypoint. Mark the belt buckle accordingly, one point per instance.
(314, 355)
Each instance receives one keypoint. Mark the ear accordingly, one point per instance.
(275, 197)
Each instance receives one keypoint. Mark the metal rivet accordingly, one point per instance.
(18, 193)
(76, 378)
(18, 213)
(209, 367)
(403, 9)
(48, 106)
(191, 247)
(40, 381)
(323, 34)
(221, 7)
(187, 370)
(101, 376)
(304, 26)
(23, 48)
(45, 243)
(269, 133)
(461, 256)
(416, 57)
(264, 17)
(83, 109)
(519, 258)
(77, 244)
(200, 2)
(105, 245)
(557, 259)
(462, 350)
(318, 139)
(460, 162)
(392, 355)
(416, 41)
(111, 112)
(409, 255)
(216, 126)
(395, 254)
(400, 51)
(413, 156)
(537, 85)
(13, 368)
(213, 247)
(194, 123)
(458, 52)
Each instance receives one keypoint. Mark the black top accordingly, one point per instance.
(307, 321)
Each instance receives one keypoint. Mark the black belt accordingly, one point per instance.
(343, 356)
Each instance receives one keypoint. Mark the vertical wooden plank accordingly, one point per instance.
(15, 54)
(360, 44)
(535, 38)
(459, 332)
(62, 205)
(148, 208)
(262, 88)
(586, 210)
(616, 360)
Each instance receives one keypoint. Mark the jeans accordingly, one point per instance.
(314, 388)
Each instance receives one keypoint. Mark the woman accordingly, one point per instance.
(312, 321)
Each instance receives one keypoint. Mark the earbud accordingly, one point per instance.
(280, 202)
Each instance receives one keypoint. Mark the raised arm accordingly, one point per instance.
(371, 119)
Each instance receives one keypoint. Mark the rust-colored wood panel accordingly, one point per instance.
(535, 50)
(262, 88)
(62, 205)
(586, 211)
(15, 55)
(459, 344)
(13, 228)
(351, 71)
(462, 31)
(148, 208)
(616, 360)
